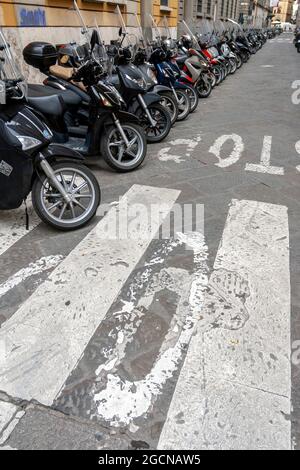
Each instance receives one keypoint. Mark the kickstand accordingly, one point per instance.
(26, 215)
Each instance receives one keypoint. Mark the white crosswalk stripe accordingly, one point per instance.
(7, 412)
(46, 337)
(13, 227)
(234, 390)
(235, 386)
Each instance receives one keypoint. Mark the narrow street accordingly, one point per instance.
(190, 341)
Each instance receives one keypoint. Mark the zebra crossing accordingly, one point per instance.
(124, 329)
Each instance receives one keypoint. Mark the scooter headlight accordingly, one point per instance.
(28, 142)
(105, 101)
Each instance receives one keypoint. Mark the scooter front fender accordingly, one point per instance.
(55, 151)
(158, 89)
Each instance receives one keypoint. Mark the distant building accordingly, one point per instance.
(256, 13)
(283, 12)
(193, 10)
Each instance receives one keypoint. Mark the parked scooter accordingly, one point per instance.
(297, 40)
(153, 116)
(168, 100)
(110, 131)
(65, 194)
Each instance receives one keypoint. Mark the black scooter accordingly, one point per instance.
(65, 194)
(131, 83)
(110, 131)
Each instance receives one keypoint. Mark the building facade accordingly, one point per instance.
(56, 21)
(193, 10)
(255, 13)
(283, 12)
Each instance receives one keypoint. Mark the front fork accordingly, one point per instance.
(174, 93)
(121, 130)
(54, 181)
(145, 108)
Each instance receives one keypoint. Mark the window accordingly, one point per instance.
(222, 7)
(199, 6)
(208, 7)
(227, 9)
(164, 3)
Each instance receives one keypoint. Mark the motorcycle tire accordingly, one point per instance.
(55, 219)
(170, 103)
(184, 105)
(193, 97)
(130, 159)
(163, 119)
(204, 88)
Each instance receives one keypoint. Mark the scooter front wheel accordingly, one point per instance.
(204, 88)
(163, 124)
(169, 102)
(117, 154)
(184, 105)
(193, 96)
(82, 188)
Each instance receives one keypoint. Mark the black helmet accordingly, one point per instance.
(158, 56)
(70, 55)
(125, 54)
(140, 57)
(186, 41)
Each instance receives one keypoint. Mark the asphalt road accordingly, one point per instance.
(187, 341)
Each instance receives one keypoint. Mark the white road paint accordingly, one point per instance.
(122, 401)
(296, 94)
(11, 426)
(46, 337)
(234, 391)
(265, 163)
(13, 226)
(39, 266)
(267, 66)
(297, 146)
(7, 412)
(234, 156)
(165, 154)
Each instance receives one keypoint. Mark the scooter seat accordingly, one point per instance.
(47, 105)
(69, 97)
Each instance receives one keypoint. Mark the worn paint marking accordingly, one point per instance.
(46, 337)
(7, 412)
(234, 156)
(13, 227)
(234, 390)
(265, 163)
(43, 264)
(164, 155)
(122, 401)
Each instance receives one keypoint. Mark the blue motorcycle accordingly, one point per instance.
(166, 75)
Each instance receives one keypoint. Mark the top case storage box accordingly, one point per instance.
(40, 55)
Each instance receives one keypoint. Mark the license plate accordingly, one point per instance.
(2, 92)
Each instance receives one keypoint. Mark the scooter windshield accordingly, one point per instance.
(205, 30)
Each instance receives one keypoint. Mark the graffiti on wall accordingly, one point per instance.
(31, 16)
